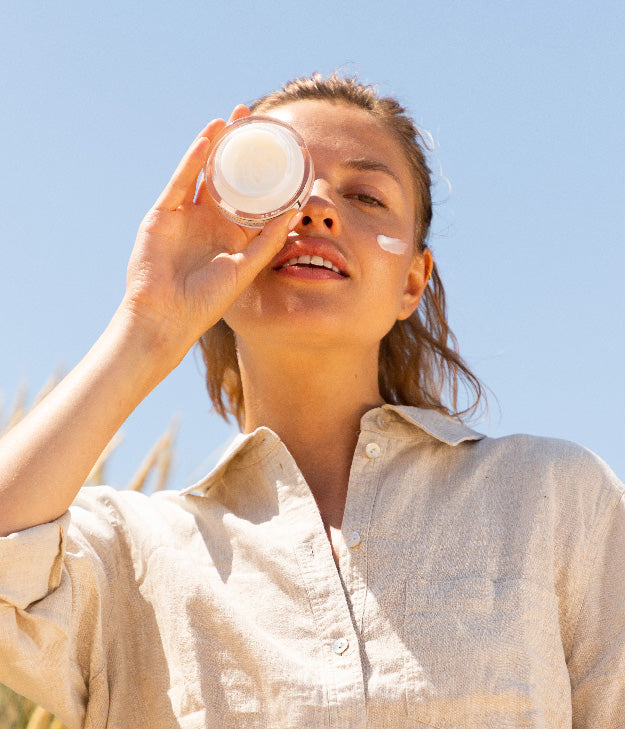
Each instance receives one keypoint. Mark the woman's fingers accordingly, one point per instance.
(181, 187)
(240, 111)
(212, 129)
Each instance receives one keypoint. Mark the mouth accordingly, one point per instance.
(316, 256)
(312, 262)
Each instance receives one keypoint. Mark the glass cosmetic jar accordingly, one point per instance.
(258, 168)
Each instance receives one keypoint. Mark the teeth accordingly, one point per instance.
(311, 261)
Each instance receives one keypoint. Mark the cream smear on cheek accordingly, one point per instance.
(392, 245)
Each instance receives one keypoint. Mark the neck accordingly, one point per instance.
(314, 402)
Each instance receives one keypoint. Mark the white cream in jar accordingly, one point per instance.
(258, 168)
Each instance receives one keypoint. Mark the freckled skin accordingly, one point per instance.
(380, 287)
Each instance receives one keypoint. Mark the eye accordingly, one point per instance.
(367, 199)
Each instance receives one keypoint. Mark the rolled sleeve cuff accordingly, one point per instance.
(31, 562)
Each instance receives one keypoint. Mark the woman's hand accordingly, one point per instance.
(188, 266)
(190, 263)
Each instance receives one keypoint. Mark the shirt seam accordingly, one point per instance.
(377, 484)
(311, 607)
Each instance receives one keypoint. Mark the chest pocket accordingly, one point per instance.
(483, 654)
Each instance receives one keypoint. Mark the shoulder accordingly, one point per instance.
(522, 463)
(118, 506)
(563, 488)
(515, 470)
(550, 461)
(123, 504)
(105, 519)
(512, 458)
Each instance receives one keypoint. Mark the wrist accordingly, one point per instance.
(156, 345)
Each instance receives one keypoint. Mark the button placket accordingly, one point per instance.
(332, 620)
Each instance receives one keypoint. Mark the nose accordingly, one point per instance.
(320, 213)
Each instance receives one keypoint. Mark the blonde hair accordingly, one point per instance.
(419, 363)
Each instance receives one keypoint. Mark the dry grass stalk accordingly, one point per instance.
(39, 719)
(48, 386)
(96, 475)
(157, 461)
(163, 467)
(18, 409)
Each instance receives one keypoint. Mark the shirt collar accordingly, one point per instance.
(262, 440)
(240, 444)
(439, 426)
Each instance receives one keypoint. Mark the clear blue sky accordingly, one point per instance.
(526, 107)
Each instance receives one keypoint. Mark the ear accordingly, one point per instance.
(416, 280)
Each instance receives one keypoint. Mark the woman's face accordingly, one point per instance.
(361, 218)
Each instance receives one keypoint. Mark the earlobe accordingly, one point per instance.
(417, 278)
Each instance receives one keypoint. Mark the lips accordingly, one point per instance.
(314, 261)
(313, 253)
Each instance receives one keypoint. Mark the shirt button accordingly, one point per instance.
(353, 540)
(372, 450)
(340, 645)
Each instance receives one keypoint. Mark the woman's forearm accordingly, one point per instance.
(46, 458)
(187, 268)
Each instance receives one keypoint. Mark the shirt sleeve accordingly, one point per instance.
(597, 659)
(51, 614)
(31, 563)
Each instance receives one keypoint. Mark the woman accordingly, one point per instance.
(354, 560)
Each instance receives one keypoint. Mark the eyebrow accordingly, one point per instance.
(370, 165)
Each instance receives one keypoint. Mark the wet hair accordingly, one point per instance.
(418, 361)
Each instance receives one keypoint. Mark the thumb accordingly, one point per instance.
(272, 238)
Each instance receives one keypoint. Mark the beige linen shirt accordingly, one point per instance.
(480, 584)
